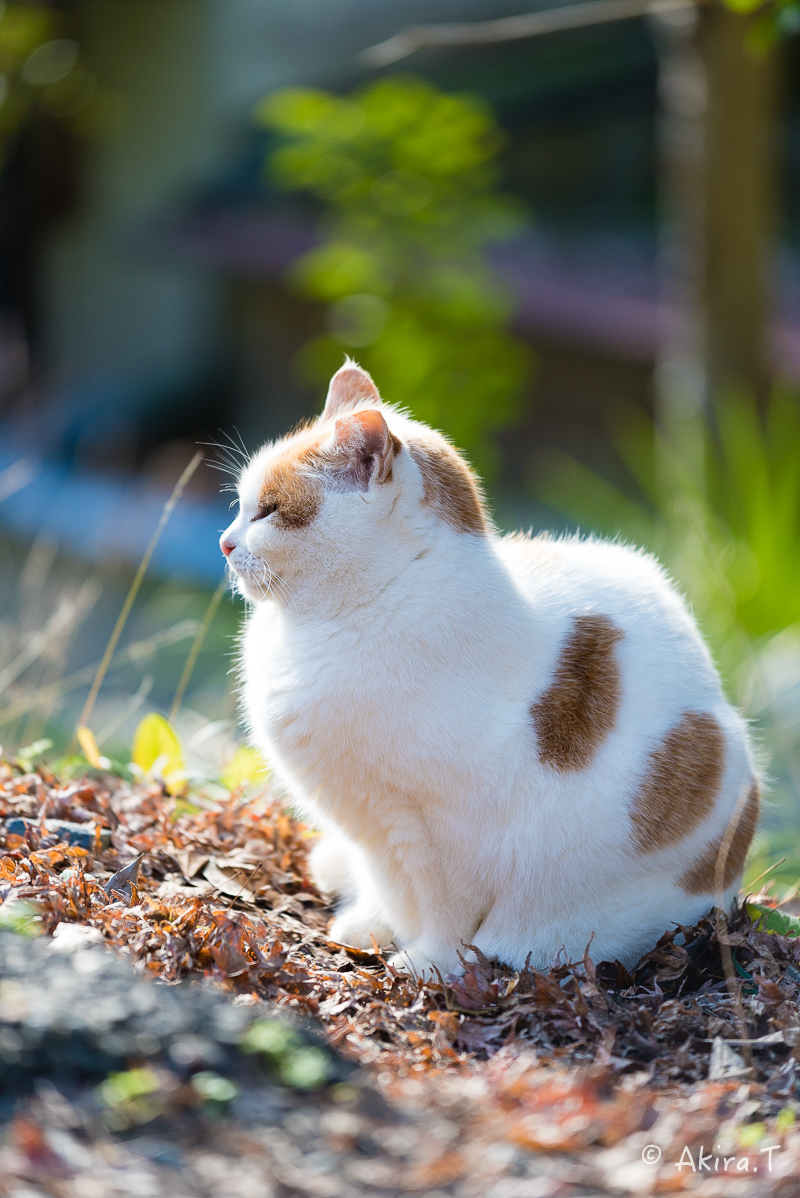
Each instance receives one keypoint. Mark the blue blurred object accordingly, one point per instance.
(105, 519)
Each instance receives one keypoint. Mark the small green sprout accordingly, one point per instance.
(29, 753)
(214, 1089)
(119, 1088)
(131, 1098)
(301, 1066)
(268, 1036)
(751, 1134)
(20, 917)
(785, 1121)
(306, 1068)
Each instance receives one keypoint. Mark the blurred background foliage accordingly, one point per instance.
(41, 73)
(407, 179)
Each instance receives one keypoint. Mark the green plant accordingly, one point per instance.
(301, 1066)
(407, 180)
(131, 1098)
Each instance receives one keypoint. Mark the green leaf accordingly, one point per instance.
(774, 921)
(301, 1066)
(157, 752)
(751, 1134)
(306, 1068)
(785, 1121)
(269, 1036)
(408, 180)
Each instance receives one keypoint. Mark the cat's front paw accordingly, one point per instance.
(427, 967)
(357, 930)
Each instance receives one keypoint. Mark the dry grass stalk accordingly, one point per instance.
(133, 591)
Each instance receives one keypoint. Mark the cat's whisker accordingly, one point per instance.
(223, 467)
(246, 454)
(227, 446)
(231, 458)
(283, 589)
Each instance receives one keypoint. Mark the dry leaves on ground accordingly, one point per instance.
(579, 1059)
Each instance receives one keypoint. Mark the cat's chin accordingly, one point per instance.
(249, 587)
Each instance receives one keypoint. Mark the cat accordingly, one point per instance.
(517, 743)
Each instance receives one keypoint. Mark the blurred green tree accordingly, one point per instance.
(774, 19)
(41, 71)
(408, 181)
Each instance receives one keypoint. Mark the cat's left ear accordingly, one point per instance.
(364, 439)
(349, 386)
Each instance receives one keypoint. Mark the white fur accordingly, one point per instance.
(388, 675)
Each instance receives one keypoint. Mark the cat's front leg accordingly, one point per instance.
(332, 864)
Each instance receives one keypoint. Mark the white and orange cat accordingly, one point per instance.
(514, 742)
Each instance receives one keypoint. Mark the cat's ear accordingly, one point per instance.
(349, 386)
(363, 438)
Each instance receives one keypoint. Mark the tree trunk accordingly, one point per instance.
(717, 99)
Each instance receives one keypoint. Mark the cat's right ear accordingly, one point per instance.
(349, 386)
(363, 440)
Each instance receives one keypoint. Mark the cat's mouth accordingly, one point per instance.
(253, 577)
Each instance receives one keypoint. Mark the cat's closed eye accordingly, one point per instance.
(265, 511)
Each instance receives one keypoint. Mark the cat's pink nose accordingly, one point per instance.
(227, 547)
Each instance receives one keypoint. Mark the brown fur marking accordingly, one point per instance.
(700, 877)
(449, 486)
(289, 484)
(681, 784)
(579, 708)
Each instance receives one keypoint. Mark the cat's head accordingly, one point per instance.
(355, 493)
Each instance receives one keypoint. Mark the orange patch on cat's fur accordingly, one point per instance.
(700, 877)
(289, 483)
(681, 784)
(578, 710)
(450, 489)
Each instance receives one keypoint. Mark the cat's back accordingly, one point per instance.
(569, 579)
(614, 625)
(609, 575)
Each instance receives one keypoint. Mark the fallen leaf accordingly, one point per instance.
(91, 752)
(124, 881)
(232, 883)
(190, 861)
